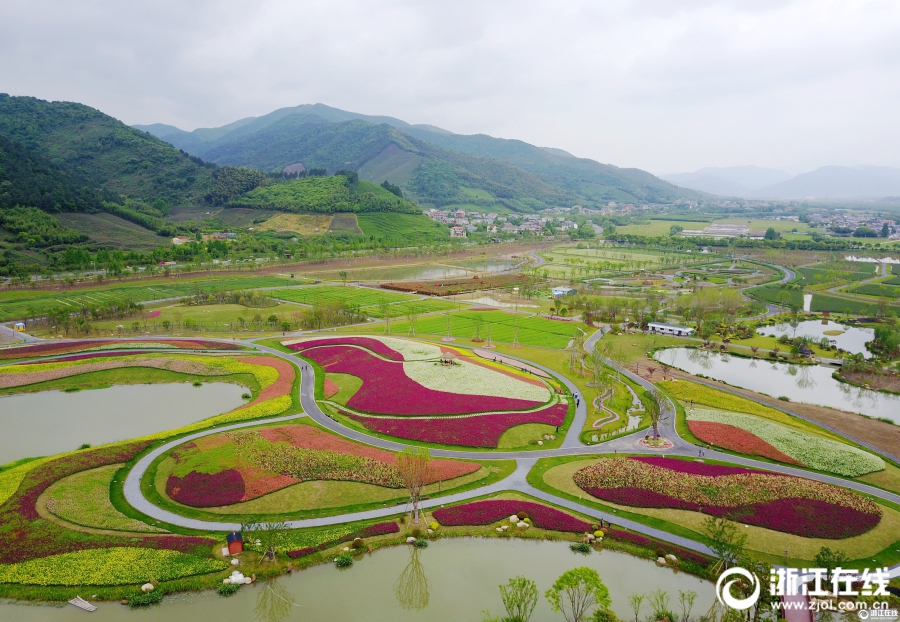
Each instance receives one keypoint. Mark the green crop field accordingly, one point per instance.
(328, 293)
(403, 309)
(835, 304)
(844, 270)
(413, 226)
(660, 227)
(532, 330)
(16, 305)
(113, 231)
(770, 293)
(878, 289)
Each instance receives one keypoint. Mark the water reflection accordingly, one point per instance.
(412, 589)
(274, 602)
(812, 384)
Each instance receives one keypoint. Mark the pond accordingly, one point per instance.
(52, 422)
(453, 579)
(851, 339)
(811, 384)
(419, 272)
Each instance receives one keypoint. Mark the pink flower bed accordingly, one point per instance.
(283, 386)
(386, 389)
(736, 439)
(697, 468)
(642, 541)
(475, 431)
(53, 348)
(378, 529)
(154, 314)
(491, 511)
(308, 437)
(376, 346)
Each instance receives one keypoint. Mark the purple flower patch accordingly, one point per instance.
(204, 490)
(491, 511)
(696, 468)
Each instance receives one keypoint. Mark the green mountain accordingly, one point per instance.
(99, 152)
(435, 166)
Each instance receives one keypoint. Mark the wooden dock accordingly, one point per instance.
(81, 603)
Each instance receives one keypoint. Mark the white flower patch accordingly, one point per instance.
(412, 350)
(814, 451)
(471, 379)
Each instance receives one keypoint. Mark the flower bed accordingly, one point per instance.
(26, 535)
(331, 388)
(645, 542)
(372, 531)
(386, 388)
(54, 348)
(369, 343)
(248, 464)
(113, 566)
(474, 431)
(781, 502)
(493, 510)
(736, 439)
(801, 448)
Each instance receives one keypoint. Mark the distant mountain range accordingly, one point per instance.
(434, 166)
(827, 182)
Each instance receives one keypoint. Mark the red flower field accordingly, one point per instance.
(474, 431)
(54, 348)
(736, 439)
(375, 345)
(386, 389)
(493, 510)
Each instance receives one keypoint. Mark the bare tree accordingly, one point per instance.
(654, 410)
(415, 470)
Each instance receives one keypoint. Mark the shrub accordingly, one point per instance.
(142, 599)
(421, 543)
(344, 561)
(522, 515)
(580, 547)
(416, 532)
(599, 533)
(784, 398)
(605, 615)
(197, 383)
(227, 589)
(433, 526)
(358, 543)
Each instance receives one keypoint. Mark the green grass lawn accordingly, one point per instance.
(532, 330)
(416, 307)
(660, 227)
(83, 499)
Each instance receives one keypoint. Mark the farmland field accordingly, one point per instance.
(875, 289)
(328, 293)
(301, 224)
(113, 231)
(344, 224)
(532, 330)
(660, 227)
(385, 225)
(402, 309)
(18, 304)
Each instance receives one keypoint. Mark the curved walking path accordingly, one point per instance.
(516, 482)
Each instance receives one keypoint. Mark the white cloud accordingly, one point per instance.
(662, 85)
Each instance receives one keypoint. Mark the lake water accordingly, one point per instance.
(51, 422)
(811, 384)
(852, 340)
(453, 579)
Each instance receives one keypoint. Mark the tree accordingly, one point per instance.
(636, 600)
(520, 597)
(829, 560)
(771, 234)
(726, 541)
(686, 600)
(653, 403)
(659, 600)
(415, 469)
(269, 535)
(576, 592)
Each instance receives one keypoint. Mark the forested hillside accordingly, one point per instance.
(103, 153)
(325, 195)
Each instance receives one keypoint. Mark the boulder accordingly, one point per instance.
(410, 540)
(522, 525)
(671, 558)
(513, 519)
(235, 561)
(430, 531)
(147, 587)
(660, 561)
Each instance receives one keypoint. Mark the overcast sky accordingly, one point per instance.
(664, 85)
